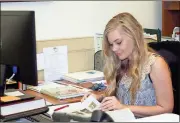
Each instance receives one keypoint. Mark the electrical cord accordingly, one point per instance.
(14, 69)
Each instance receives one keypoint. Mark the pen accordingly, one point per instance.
(57, 109)
(53, 105)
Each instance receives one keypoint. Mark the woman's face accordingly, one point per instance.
(120, 43)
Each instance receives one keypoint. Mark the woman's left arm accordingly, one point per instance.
(161, 78)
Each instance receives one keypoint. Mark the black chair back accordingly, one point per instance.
(170, 50)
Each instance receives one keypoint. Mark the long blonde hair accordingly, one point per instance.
(113, 65)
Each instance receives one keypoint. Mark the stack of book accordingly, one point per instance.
(64, 92)
(84, 76)
(61, 91)
(12, 107)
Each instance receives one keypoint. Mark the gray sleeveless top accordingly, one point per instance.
(146, 94)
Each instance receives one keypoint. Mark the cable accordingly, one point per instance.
(14, 69)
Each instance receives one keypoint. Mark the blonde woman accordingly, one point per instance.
(137, 78)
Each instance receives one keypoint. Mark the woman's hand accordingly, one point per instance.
(87, 95)
(111, 103)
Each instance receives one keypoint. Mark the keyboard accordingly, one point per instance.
(35, 118)
(39, 118)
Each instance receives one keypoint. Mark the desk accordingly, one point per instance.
(64, 101)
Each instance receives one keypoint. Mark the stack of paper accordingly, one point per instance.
(83, 112)
(150, 36)
(84, 76)
(166, 117)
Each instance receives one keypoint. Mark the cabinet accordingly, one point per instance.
(170, 16)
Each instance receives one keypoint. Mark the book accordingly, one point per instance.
(83, 112)
(21, 106)
(84, 76)
(61, 91)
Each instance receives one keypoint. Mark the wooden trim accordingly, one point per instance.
(172, 5)
(170, 16)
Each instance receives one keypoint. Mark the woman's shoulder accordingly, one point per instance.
(159, 63)
(150, 62)
(153, 54)
(152, 58)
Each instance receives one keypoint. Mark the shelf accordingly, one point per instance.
(170, 16)
(172, 5)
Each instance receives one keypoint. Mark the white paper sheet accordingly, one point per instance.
(122, 115)
(91, 103)
(14, 93)
(98, 38)
(72, 107)
(55, 63)
(40, 61)
(166, 117)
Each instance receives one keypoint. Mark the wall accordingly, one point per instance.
(74, 24)
(80, 53)
(67, 19)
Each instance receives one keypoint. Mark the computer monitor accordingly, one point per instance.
(18, 45)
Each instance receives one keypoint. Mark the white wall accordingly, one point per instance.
(67, 19)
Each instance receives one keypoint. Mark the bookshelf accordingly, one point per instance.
(170, 16)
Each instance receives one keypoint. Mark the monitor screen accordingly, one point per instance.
(18, 44)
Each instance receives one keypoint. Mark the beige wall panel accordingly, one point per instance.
(80, 53)
(72, 43)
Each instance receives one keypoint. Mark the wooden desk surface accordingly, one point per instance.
(64, 101)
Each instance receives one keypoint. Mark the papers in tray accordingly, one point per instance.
(84, 76)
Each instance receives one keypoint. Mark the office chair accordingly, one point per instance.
(154, 31)
(170, 50)
(98, 61)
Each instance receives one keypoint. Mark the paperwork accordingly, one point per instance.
(40, 61)
(80, 112)
(167, 117)
(83, 111)
(14, 93)
(98, 38)
(55, 62)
